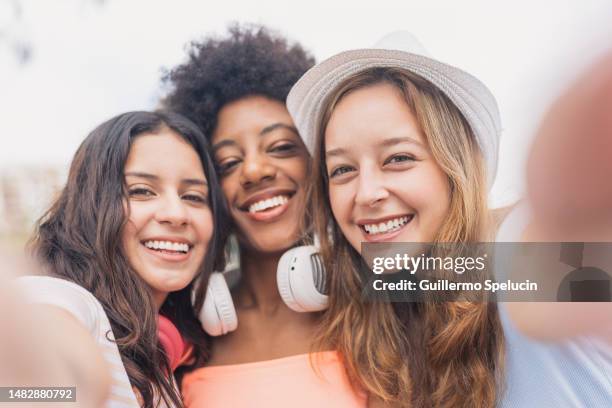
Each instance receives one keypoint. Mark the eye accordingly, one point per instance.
(227, 166)
(283, 148)
(400, 158)
(196, 198)
(340, 170)
(140, 192)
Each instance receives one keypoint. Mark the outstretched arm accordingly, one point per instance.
(569, 173)
(44, 345)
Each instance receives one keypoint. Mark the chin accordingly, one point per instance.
(168, 283)
(274, 245)
(273, 241)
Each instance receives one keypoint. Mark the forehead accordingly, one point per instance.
(249, 116)
(368, 115)
(163, 152)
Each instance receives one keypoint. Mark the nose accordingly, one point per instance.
(370, 188)
(172, 211)
(256, 169)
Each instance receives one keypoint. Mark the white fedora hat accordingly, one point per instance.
(399, 49)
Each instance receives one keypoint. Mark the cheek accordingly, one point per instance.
(229, 185)
(438, 195)
(336, 203)
(138, 214)
(134, 222)
(435, 205)
(129, 240)
(298, 170)
(204, 227)
(426, 191)
(341, 204)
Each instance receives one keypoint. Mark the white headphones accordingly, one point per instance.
(300, 278)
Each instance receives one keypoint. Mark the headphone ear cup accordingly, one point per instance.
(218, 315)
(171, 340)
(301, 279)
(282, 281)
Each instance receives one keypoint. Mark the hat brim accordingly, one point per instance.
(470, 95)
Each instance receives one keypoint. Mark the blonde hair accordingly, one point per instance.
(442, 354)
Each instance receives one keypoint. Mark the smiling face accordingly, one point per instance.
(170, 222)
(384, 184)
(262, 165)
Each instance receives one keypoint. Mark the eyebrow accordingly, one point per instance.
(279, 125)
(263, 132)
(335, 152)
(223, 143)
(397, 140)
(153, 177)
(385, 143)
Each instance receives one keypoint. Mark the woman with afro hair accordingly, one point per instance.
(262, 351)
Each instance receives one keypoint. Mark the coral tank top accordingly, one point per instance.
(285, 382)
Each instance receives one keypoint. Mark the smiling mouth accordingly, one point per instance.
(387, 226)
(267, 204)
(168, 247)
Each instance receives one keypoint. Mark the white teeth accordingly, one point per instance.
(168, 246)
(268, 203)
(388, 226)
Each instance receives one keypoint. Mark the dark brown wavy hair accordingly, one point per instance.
(427, 354)
(78, 239)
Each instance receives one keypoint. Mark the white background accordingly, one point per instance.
(93, 61)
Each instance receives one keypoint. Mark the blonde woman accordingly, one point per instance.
(405, 148)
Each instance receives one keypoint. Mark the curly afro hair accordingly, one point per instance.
(251, 61)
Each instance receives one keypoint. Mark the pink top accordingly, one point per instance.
(284, 382)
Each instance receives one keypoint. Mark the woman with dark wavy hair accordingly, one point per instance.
(123, 245)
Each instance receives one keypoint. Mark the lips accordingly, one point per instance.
(167, 246)
(262, 197)
(384, 229)
(172, 249)
(267, 205)
(387, 225)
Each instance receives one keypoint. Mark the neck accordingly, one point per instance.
(158, 299)
(258, 288)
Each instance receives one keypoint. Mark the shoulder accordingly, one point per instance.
(78, 330)
(69, 296)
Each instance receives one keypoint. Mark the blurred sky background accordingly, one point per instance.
(67, 65)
